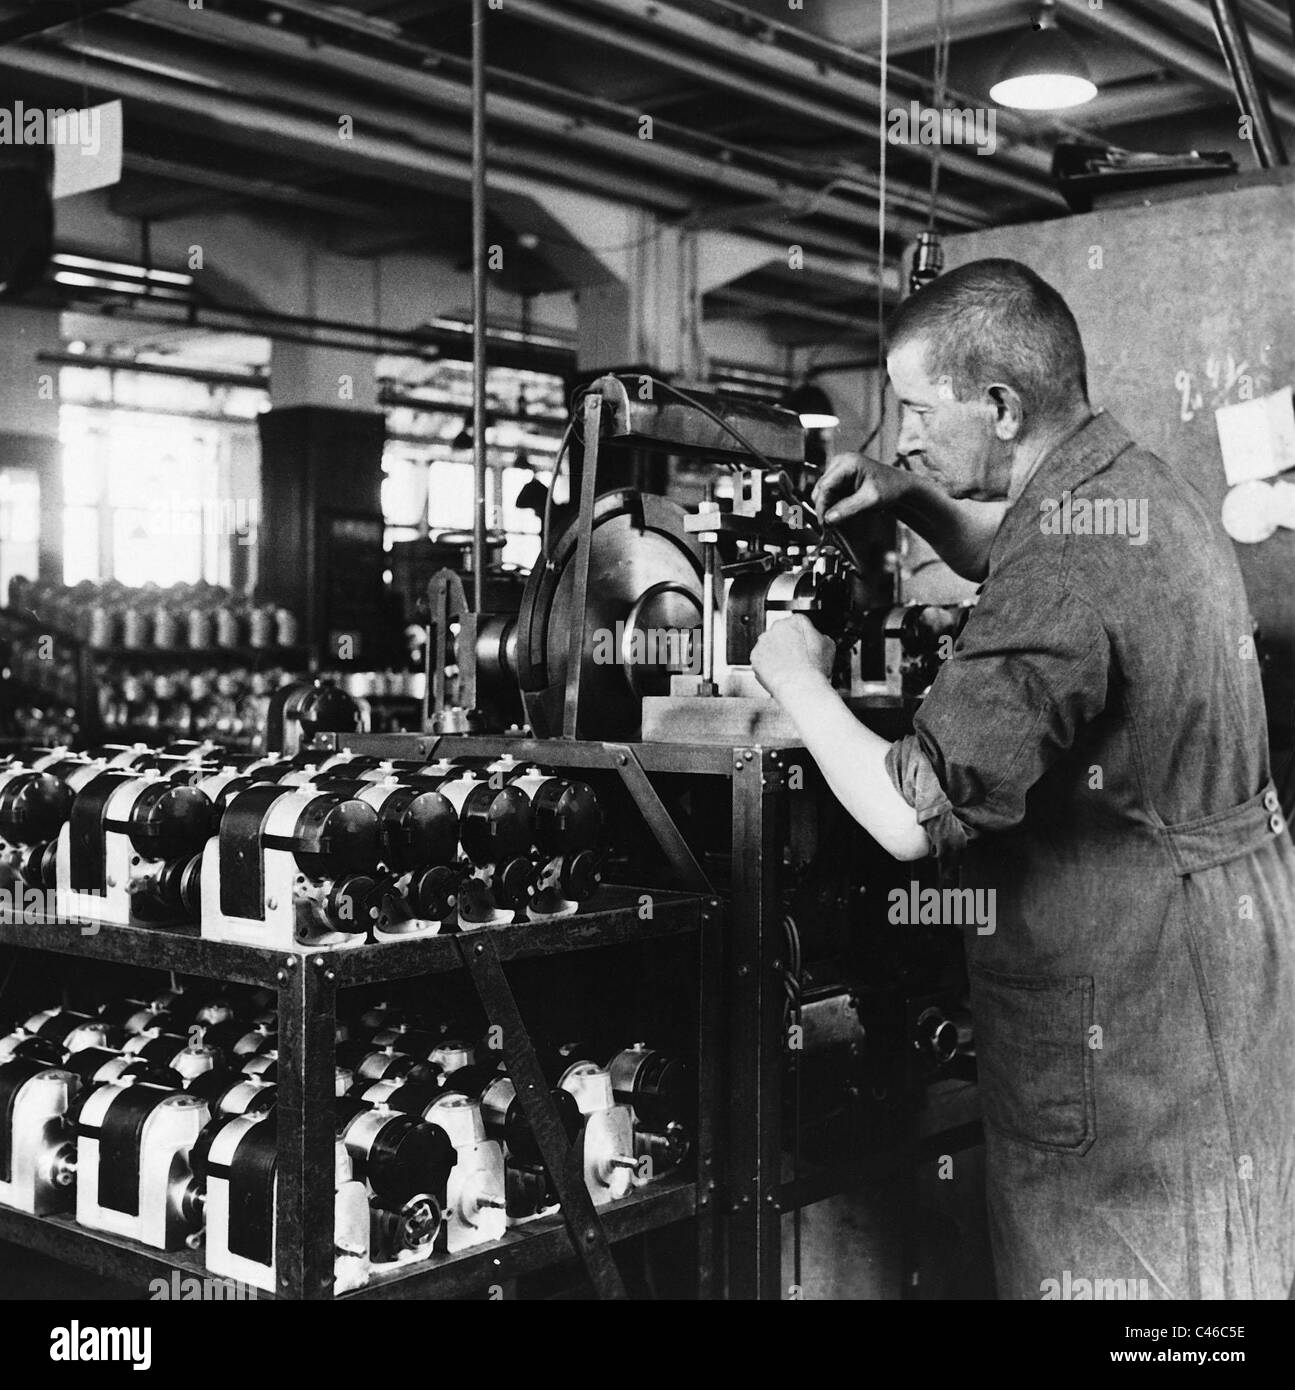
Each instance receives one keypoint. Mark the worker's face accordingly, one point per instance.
(963, 446)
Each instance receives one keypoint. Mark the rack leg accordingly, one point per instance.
(711, 1081)
(307, 1136)
(755, 1039)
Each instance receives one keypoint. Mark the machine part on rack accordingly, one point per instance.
(662, 1095)
(72, 1031)
(242, 1207)
(234, 1094)
(637, 543)
(609, 1160)
(133, 1173)
(292, 868)
(476, 1190)
(33, 808)
(298, 712)
(123, 852)
(37, 1139)
(98, 1066)
(406, 1164)
(404, 1233)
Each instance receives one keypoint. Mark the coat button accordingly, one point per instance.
(1276, 824)
(1271, 801)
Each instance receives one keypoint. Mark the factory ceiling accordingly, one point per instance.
(765, 120)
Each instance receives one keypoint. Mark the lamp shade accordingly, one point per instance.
(814, 406)
(1045, 71)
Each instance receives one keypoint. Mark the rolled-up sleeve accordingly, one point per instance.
(1032, 667)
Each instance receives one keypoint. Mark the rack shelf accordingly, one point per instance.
(523, 1250)
(306, 984)
(182, 948)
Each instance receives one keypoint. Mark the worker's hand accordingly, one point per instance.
(854, 483)
(791, 651)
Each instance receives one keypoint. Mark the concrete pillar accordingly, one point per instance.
(29, 419)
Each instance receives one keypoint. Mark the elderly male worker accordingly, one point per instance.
(1094, 752)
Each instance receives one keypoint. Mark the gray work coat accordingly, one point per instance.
(1094, 754)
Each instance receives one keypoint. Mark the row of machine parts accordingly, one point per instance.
(296, 852)
(194, 617)
(156, 1120)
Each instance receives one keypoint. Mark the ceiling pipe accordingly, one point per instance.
(479, 283)
(781, 186)
(1270, 55)
(1251, 95)
(413, 75)
(849, 97)
(249, 126)
(1184, 58)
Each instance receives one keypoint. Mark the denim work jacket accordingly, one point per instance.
(1094, 753)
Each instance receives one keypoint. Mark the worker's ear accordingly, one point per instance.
(1008, 416)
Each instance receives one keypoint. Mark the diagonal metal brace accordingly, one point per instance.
(563, 1160)
(660, 822)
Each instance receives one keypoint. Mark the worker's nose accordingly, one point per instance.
(909, 442)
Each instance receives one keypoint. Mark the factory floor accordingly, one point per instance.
(854, 1245)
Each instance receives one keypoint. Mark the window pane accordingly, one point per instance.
(521, 550)
(449, 497)
(518, 518)
(19, 526)
(80, 544)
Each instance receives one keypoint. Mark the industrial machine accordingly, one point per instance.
(128, 851)
(135, 1139)
(240, 1162)
(37, 1141)
(629, 659)
(292, 868)
(605, 742)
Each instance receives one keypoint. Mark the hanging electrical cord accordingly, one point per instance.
(884, 124)
(940, 83)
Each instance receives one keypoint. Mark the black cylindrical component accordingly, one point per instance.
(495, 824)
(33, 807)
(336, 836)
(169, 822)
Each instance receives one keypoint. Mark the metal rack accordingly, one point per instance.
(307, 986)
(742, 999)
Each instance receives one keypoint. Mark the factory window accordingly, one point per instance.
(19, 525)
(152, 494)
(427, 490)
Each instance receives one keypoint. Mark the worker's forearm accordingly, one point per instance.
(960, 531)
(852, 760)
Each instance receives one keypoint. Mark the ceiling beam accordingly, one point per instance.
(719, 55)
(1147, 101)
(157, 205)
(370, 154)
(684, 156)
(51, 15)
(912, 24)
(1114, 22)
(1273, 57)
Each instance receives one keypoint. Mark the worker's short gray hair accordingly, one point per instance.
(997, 322)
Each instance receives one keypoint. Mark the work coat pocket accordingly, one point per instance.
(1033, 1057)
